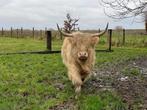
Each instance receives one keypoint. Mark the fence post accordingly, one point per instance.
(99, 30)
(78, 29)
(2, 32)
(11, 32)
(49, 40)
(45, 29)
(21, 32)
(33, 33)
(124, 36)
(109, 39)
(61, 36)
(41, 33)
(17, 32)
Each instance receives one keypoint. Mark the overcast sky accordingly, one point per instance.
(46, 13)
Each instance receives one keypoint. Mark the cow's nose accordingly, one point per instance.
(82, 55)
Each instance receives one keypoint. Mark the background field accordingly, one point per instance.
(39, 81)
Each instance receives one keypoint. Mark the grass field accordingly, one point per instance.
(39, 81)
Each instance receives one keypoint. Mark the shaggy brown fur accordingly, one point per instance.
(78, 53)
(79, 70)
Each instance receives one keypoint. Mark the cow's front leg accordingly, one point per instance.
(75, 77)
(76, 81)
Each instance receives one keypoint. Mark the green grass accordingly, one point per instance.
(10, 45)
(28, 81)
(131, 71)
(32, 81)
(119, 55)
(104, 100)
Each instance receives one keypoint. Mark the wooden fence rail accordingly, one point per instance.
(21, 33)
(44, 33)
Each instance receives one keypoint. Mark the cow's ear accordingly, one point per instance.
(94, 40)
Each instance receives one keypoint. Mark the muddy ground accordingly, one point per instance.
(128, 80)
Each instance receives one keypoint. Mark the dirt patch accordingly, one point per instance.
(142, 62)
(129, 79)
(130, 84)
(67, 105)
(133, 91)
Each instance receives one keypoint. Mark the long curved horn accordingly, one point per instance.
(101, 33)
(63, 33)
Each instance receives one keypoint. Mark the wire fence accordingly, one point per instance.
(13, 40)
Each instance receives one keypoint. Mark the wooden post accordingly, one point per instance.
(110, 39)
(45, 29)
(11, 32)
(45, 32)
(61, 36)
(49, 40)
(123, 36)
(78, 29)
(33, 33)
(17, 33)
(2, 32)
(99, 30)
(21, 32)
(41, 33)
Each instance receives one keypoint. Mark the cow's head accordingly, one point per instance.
(82, 43)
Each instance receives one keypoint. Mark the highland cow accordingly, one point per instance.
(78, 53)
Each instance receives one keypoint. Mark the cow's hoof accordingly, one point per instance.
(77, 96)
(78, 89)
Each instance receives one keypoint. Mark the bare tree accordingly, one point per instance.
(70, 24)
(124, 8)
